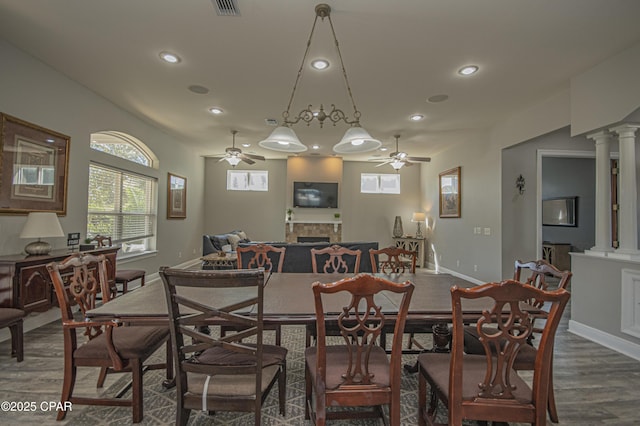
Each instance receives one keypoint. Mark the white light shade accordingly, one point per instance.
(397, 164)
(233, 160)
(41, 225)
(356, 139)
(283, 139)
(418, 217)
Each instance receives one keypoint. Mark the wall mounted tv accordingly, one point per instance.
(315, 194)
(559, 211)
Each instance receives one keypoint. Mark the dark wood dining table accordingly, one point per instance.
(288, 299)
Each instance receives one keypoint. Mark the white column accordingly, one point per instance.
(603, 192)
(628, 196)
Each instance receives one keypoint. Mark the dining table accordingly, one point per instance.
(288, 300)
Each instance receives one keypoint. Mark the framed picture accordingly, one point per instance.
(450, 193)
(34, 164)
(176, 197)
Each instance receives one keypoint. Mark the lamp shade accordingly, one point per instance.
(284, 139)
(356, 139)
(41, 225)
(418, 217)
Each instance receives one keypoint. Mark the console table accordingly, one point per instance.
(412, 244)
(557, 254)
(25, 282)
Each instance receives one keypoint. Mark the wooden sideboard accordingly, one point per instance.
(25, 282)
(412, 244)
(557, 254)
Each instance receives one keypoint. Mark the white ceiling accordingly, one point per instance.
(396, 53)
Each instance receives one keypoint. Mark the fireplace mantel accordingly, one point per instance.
(313, 228)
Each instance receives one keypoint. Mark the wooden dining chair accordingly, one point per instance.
(110, 345)
(337, 259)
(13, 319)
(230, 373)
(261, 256)
(485, 386)
(537, 274)
(122, 276)
(355, 371)
(393, 260)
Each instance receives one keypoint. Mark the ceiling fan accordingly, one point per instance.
(399, 158)
(234, 155)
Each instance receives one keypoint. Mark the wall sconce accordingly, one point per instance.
(520, 184)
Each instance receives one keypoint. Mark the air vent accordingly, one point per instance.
(271, 121)
(226, 7)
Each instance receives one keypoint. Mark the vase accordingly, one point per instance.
(397, 227)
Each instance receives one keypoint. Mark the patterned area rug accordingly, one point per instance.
(160, 405)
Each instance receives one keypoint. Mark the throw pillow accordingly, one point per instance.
(233, 240)
(242, 235)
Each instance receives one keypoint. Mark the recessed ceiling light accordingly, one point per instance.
(171, 58)
(315, 147)
(320, 64)
(215, 110)
(468, 70)
(437, 98)
(416, 117)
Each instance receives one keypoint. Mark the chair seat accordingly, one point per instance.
(130, 342)
(218, 356)
(225, 385)
(9, 316)
(475, 366)
(129, 275)
(338, 359)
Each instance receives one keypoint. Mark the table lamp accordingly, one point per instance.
(41, 225)
(419, 217)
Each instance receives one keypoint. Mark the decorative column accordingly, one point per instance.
(628, 198)
(603, 192)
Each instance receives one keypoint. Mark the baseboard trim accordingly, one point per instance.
(455, 274)
(607, 340)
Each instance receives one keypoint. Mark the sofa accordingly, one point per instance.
(298, 255)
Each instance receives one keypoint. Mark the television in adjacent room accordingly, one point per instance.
(559, 211)
(315, 194)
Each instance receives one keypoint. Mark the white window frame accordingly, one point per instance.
(247, 180)
(380, 183)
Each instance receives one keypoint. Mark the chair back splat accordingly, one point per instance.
(337, 259)
(261, 256)
(353, 370)
(393, 260)
(486, 386)
(230, 373)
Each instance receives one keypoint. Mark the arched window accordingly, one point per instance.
(122, 200)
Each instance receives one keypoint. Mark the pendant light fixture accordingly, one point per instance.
(355, 140)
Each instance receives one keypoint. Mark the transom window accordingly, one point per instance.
(376, 183)
(247, 180)
(122, 203)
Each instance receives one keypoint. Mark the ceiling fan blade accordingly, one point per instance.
(422, 159)
(222, 158)
(253, 156)
(247, 160)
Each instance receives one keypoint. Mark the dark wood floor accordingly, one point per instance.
(594, 385)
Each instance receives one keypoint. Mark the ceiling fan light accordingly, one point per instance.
(356, 139)
(283, 138)
(233, 160)
(397, 164)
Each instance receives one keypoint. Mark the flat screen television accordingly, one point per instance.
(559, 211)
(315, 194)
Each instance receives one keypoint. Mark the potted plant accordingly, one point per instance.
(289, 214)
(336, 216)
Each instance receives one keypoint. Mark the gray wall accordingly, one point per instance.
(571, 177)
(37, 93)
(365, 217)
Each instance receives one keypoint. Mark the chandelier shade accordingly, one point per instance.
(356, 139)
(283, 139)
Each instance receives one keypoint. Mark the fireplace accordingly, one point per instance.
(314, 239)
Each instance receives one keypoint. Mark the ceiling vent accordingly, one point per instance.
(271, 121)
(226, 7)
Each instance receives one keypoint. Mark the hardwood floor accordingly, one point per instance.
(594, 385)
